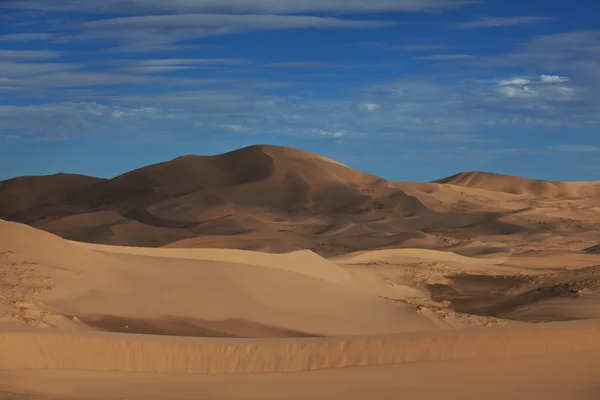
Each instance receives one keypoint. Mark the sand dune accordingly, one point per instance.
(259, 324)
(128, 287)
(556, 377)
(20, 195)
(53, 349)
(302, 262)
(65, 284)
(395, 255)
(222, 195)
(557, 361)
(278, 199)
(524, 186)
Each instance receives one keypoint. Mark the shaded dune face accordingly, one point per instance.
(515, 296)
(190, 327)
(593, 250)
(275, 199)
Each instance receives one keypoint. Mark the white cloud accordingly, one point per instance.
(117, 114)
(552, 79)
(370, 106)
(493, 22)
(328, 134)
(515, 81)
(511, 91)
(525, 88)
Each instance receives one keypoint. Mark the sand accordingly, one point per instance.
(558, 377)
(272, 273)
(57, 281)
(276, 199)
(214, 323)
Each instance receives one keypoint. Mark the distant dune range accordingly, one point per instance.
(277, 199)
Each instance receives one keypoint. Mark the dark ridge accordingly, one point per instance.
(593, 250)
(190, 327)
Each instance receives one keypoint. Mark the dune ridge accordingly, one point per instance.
(51, 282)
(51, 349)
(304, 261)
(277, 199)
(522, 186)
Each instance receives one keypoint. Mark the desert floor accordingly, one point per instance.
(85, 321)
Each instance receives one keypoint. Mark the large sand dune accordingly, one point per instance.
(277, 199)
(52, 282)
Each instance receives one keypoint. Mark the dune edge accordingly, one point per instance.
(22, 349)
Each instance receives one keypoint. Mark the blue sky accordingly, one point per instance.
(407, 89)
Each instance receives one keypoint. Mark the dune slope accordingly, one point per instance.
(51, 282)
(273, 199)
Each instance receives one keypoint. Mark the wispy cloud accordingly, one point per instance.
(576, 148)
(404, 47)
(420, 47)
(547, 83)
(494, 22)
(212, 24)
(166, 32)
(446, 57)
(10, 69)
(301, 64)
(176, 64)
(420, 109)
(27, 54)
(328, 134)
(575, 55)
(237, 6)
(23, 37)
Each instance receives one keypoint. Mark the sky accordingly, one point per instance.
(410, 90)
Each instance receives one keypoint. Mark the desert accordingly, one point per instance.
(299, 199)
(271, 272)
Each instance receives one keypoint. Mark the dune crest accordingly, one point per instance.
(523, 186)
(125, 353)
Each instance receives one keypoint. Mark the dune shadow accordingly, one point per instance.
(191, 327)
(496, 296)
